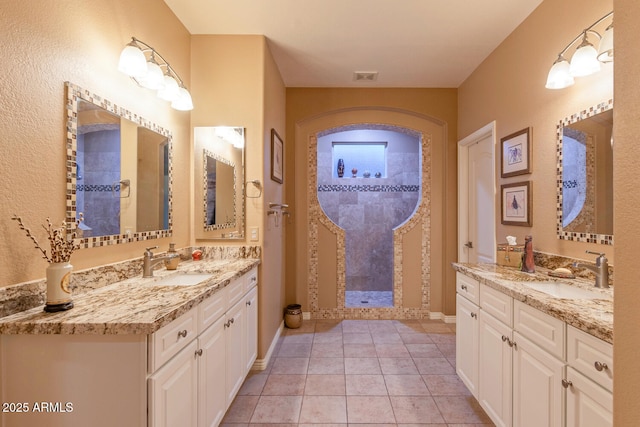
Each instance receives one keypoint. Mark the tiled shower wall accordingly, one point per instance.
(368, 209)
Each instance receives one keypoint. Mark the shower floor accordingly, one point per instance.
(369, 299)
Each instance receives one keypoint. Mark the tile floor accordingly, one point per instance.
(357, 373)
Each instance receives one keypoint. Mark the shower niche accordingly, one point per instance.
(379, 192)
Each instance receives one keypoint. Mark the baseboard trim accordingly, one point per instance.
(261, 364)
(441, 316)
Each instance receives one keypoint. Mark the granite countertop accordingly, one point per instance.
(594, 316)
(132, 306)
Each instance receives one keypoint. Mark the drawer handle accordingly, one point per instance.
(254, 278)
(199, 352)
(566, 383)
(182, 334)
(231, 320)
(226, 325)
(600, 366)
(508, 341)
(464, 287)
(474, 315)
(248, 302)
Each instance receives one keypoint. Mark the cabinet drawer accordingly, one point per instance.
(468, 287)
(212, 309)
(171, 338)
(546, 331)
(497, 304)
(251, 279)
(591, 356)
(235, 290)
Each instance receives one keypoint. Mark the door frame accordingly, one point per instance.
(487, 131)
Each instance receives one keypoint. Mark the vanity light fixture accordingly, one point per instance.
(148, 73)
(586, 59)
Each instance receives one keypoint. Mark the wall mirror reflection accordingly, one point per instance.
(585, 175)
(219, 152)
(118, 172)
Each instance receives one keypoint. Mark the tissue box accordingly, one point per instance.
(509, 255)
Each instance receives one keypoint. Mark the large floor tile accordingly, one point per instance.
(325, 385)
(416, 409)
(277, 409)
(284, 385)
(366, 385)
(369, 409)
(324, 409)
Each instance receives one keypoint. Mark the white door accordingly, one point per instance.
(588, 404)
(476, 203)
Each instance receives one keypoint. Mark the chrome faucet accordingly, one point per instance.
(601, 268)
(149, 261)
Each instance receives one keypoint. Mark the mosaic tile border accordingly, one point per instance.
(370, 188)
(75, 92)
(603, 239)
(421, 218)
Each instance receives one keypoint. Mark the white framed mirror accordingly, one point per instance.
(585, 175)
(219, 185)
(119, 172)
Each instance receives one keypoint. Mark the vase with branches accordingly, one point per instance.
(62, 244)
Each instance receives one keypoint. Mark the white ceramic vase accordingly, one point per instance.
(58, 290)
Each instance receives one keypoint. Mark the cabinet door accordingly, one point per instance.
(212, 394)
(173, 391)
(588, 404)
(467, 343)
(495, 376)
(537, 386)
(236, 347)
(251, 327)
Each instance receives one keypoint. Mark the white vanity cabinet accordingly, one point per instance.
(467, 331)
(527, 368)
(196, 386)
(589, 380)
(496, 344)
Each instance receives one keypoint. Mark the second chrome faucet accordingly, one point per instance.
(601, 269)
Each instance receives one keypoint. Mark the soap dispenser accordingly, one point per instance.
(173, 262)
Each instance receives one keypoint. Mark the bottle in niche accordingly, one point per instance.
(340, 168)
(528, 265)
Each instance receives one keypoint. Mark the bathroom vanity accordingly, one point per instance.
(533, 350)
(163, 351)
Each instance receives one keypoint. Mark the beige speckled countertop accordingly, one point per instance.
(594, 316)
(132, 306)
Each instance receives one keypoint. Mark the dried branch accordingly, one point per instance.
(61, 242)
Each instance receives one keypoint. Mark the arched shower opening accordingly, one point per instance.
(369, 183)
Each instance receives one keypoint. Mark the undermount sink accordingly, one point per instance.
(183, 279)
(563, 290)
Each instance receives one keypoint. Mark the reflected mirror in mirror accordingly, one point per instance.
(219, 184)
(585, 176)
(220, 204)
(118, 172)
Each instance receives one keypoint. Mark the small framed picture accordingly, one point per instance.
(277, 157)
(516, 200)
(516, 153)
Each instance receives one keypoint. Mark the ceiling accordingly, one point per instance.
(322, 43)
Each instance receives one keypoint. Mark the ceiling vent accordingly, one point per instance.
(365, 76)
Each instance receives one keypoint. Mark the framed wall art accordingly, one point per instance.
(516, 200)
(277, 157)
(516, 153)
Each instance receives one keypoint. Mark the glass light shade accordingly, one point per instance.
(183, 102)
(559, 76)
(605, 51)
(154, 79)
(132, 61)
(585, 60)
(170, 91)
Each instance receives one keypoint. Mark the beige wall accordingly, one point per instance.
(626, 227)
(44, 44)
(508, 87)
(440, 104)
(236, 83)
